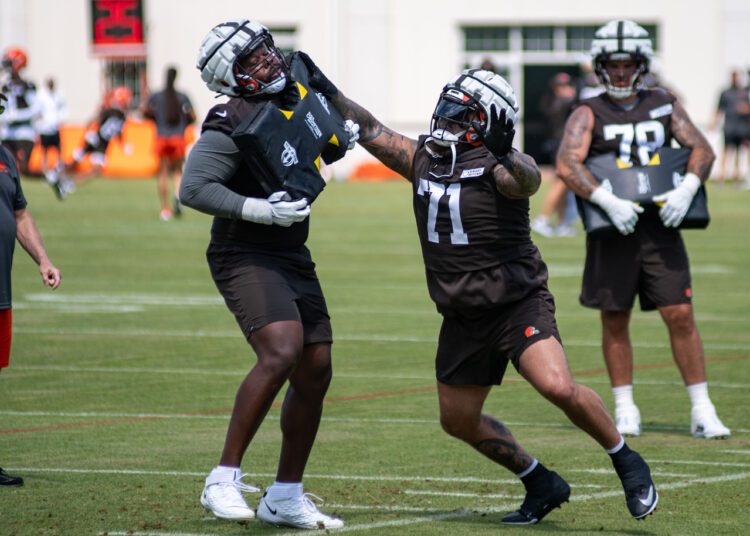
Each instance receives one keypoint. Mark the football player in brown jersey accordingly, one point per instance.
(264, 271)
(470, 196)
(648, 256)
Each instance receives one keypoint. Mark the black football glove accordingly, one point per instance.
(499, 137)
(318, 80)
(3, 98)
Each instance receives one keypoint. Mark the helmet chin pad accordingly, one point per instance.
(446, 138)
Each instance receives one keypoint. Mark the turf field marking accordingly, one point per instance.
(602, 471)
(711, 464)
(457, 514)
(356, 420)
(217, 334)
(82, 308)
(668, 485)
(423, 377)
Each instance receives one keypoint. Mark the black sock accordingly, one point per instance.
(536, 477)
(621, 455)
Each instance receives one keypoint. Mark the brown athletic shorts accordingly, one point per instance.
(651, 262)
(261, 289)
(475, 350)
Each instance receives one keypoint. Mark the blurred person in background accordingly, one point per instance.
(647, 257)
(488, 65)
(53, 112)
(172, 112)
(99, 133)
(16, 223)
(17, 124)
(734, 109)
(470, 194)
(260, 264)
(555, 106)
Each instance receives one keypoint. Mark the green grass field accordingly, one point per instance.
(117, 399)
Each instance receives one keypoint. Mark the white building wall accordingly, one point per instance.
(393, 56)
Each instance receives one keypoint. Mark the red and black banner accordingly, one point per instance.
(117, 28)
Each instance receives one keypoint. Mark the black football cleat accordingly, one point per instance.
(8, 480)
(541, 502)
(640, 492)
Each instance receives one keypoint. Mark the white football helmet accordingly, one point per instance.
(474, 90)
(227, 43)
(619, 40)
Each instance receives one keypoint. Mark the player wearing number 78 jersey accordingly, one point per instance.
(470, 197)
(648, 257)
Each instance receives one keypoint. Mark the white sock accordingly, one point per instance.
(698, 393)
(528, 469)
(285, 490)
(623, 396)
(223, 473)
(617, 448)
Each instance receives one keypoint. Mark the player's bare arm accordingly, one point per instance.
(574, 148)
(702, 156)
(393, 149)
(518, 177)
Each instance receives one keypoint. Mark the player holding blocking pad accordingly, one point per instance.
(256, 169)
(647, 257)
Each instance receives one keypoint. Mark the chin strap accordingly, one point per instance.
(436, 155)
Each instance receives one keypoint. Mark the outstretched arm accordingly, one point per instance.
(393, 149)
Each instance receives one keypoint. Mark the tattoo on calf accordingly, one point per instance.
(503, 448)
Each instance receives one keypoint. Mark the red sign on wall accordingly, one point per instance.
(117, 28)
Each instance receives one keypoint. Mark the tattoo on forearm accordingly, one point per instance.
(503, 448)
(573, 151)
(393, 149)
(702, 156)
(518, 176)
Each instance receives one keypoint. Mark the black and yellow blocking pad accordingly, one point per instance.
(286, 141)
(641, 184)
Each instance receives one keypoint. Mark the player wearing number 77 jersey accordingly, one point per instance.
(470, 196)
(648, 257)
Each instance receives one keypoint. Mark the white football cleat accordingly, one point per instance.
(542, 226)
(299, 512)
(706, 424)
(225, 500)
(628, 420)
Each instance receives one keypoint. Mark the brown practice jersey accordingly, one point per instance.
(468, 229)
(632, 134)
(225, 118)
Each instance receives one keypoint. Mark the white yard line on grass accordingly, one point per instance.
(457, 514)
(356, 420)
(593, 343)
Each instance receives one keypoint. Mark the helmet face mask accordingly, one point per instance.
(464, 106)
(454, 118)
(248, 68)
(621, 40)
(232, 58)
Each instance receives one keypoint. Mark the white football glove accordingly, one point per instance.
(622, 212)
(352, 129)
(675, 203)
(278, 209)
